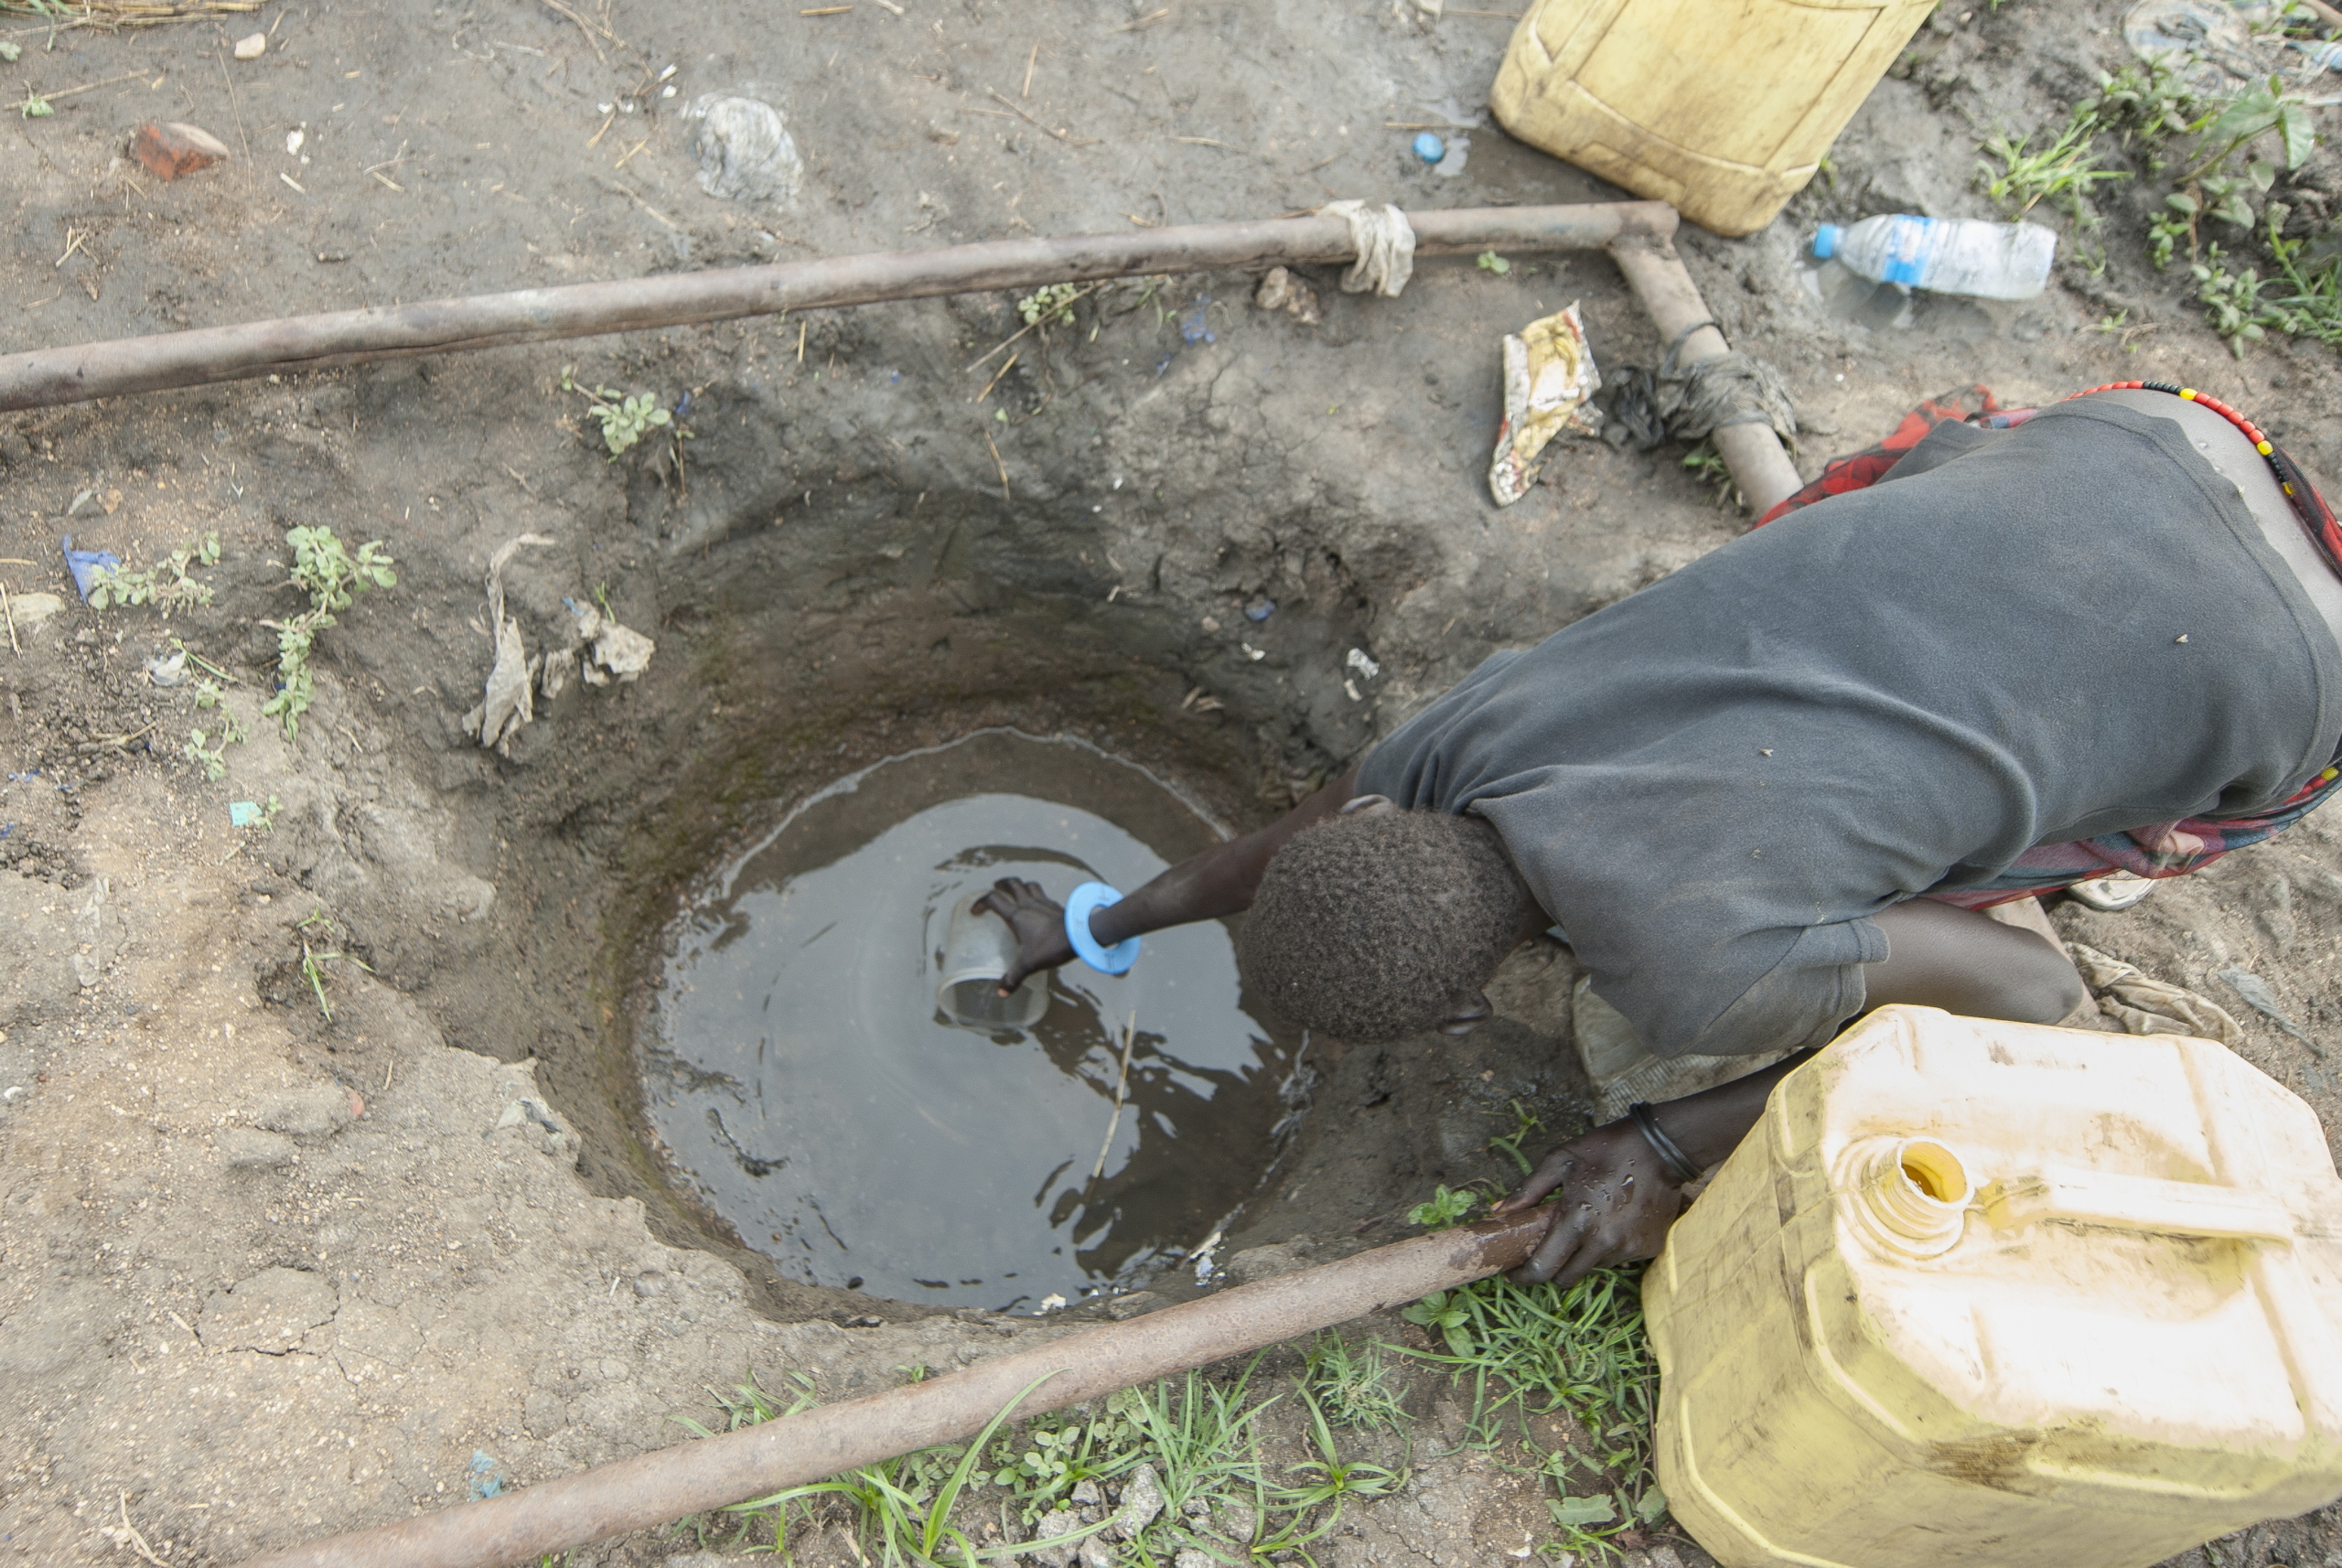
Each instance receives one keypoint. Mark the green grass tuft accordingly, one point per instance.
(1534, 1351)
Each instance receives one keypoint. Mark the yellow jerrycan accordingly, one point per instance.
(2004, 1296)
(1722, 107)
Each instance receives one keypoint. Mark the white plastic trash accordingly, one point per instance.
(978, 948)
(1944, 256)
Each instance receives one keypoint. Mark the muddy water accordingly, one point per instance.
(801, 1078)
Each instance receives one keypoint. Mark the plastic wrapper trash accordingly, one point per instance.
(505, 703)
(2144, 1005)
(81, 562)
(613, 652)
(1549, 374)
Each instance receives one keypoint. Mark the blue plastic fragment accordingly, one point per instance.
(81, 562)
(1430, 146)
(683, 406)
(1260, 609)
(484, 1482)
(1195, 325)
(243, 813)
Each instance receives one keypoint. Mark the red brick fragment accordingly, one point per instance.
(173, 149)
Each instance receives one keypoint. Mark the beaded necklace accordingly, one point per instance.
(2308, 505)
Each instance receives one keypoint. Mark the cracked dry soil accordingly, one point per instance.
(265, 1274)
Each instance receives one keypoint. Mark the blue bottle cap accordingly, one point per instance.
(1429, 147)
(1825, 241)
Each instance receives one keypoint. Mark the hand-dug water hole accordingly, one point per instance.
(809, 1089)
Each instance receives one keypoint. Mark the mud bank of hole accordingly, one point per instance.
(797, 655)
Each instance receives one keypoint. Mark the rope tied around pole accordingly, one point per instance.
(1690, 402)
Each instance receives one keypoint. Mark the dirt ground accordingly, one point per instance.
(266, 1275)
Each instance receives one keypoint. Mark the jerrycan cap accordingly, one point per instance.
(1825, 241)
(1911, 1194)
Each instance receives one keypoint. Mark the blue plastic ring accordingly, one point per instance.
(1090, 895)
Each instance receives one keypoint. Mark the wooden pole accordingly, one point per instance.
(43, 378)
(1637, 233)
(706, 1472)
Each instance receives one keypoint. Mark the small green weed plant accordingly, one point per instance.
(207, 746)
(1444, 1209)
(1201, 1438)
(1351, 1384)
(1052, 302)
(167, 586)
(1706, 464)
(324, 568)
(1056, 1458)
(2144, 104)
(625, 417)
(1524, 1122)
(2237, 147)
(1531, 1350)
(2063, 173)
(313, 959)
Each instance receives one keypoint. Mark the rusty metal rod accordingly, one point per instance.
(705, 1473)
(42, 378)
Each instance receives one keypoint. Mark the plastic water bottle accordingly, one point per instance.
(1945, 256)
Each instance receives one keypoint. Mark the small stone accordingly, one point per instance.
(252, 48)
(176, 148)
(1280, 290)
(1191, 1558)
(1097, 1552)
(1055, 1523)
(1086, 1494)
(1141, 1504)
(32, 611)
(317, 1111)
(250, 1149)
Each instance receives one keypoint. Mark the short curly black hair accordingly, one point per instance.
(1368, 927)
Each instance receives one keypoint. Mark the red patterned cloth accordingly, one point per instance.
(2163, 849)
(1866, 468)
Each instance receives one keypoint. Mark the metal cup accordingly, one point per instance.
(978, 951)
